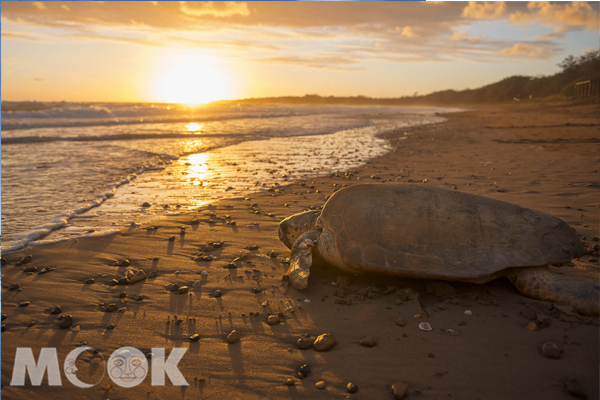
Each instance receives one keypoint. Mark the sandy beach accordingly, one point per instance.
(539, 156)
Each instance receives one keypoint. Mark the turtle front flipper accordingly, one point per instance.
(301, 259)
(541, 283)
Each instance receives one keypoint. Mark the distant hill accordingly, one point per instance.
(560, 85)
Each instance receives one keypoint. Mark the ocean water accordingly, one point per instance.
(85, 169)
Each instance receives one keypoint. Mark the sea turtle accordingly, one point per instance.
(429, 232)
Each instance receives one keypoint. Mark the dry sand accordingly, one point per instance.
(540, 157)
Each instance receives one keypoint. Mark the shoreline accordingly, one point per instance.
(494, 356)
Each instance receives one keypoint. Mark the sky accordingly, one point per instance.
(195, 52)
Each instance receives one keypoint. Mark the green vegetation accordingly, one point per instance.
(557, 86)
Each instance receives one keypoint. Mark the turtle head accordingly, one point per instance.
(292, 227)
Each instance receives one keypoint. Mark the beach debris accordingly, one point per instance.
(252, 247)
(46, 269)
(551, 350)
(324, 342)
(452, 332)
(468, 312)
(30, 269)
(111, 307)
(24, 303)
(174, 287)
(183, 289)
(273, 319)
(320, 385)
(197, 284)
(272, 254)
(204, 273)
(425, 326)
(138, 276)
(304, 343)
(139, 297)
(256, 290)
(76, 328)
(14, 286)
(289, 382)
(26, 259)
(195, 337)
(368, 341)
(575, 389)
(110, 327)
(351, 387)
(217, 293)
(233, 336)
(400, 321)
(307, 300)
(65, 322)
(90, 281)
(146, 204)
(399, 390)
(56, 310)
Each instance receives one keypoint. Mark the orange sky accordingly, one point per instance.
(194, 52)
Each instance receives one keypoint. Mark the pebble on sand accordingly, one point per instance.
(197, 284)
(369, 341)
(551, 350)
(26, 259)
(183, 289)
(90, 281)
(532, 326)
(195, 337)
(273, 320)
(324, 342)
(400, 321)
(152, 274)
(233, 337)
(138, 276)
(575, 389)
(217, 293)
(174, 287)
(24, 303)
(30, 269)
(56, 310)
(399, 390)
(289, 382)
(352, 388)
(425, 326)
(111, 308)
(304, 343)
(14, 286)
(320, 385)
(65, 322)
(305, 370)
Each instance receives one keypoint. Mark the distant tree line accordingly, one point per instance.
(560, 85)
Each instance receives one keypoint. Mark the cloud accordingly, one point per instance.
(464, 35)
(407, 31)
(521, 49)
(11, 34)
(39, 5)
(214, 8)
(38, 79)
(485, 10)
(564, 17)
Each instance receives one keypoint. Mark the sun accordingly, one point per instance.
(191, 78)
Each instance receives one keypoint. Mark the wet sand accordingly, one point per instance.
(527, 155)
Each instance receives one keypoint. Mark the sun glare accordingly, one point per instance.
(191, 79)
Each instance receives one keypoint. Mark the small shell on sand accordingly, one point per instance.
(425, 326)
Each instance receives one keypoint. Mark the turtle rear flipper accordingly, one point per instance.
(541, 283)
(301, 259)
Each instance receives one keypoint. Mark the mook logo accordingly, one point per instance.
(127, 367)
